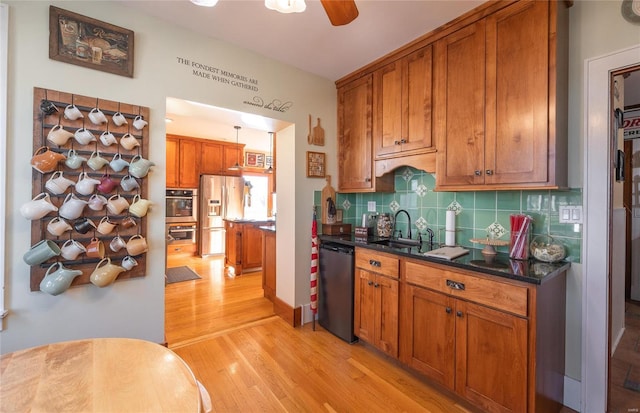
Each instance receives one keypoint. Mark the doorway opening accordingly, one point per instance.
(624, 246)
(201, 308)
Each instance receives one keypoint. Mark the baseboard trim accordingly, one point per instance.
(572, 393)
(292, 316)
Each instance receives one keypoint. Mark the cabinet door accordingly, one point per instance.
(233, 154)
(172, 162)
(491, 358)
(212, 156)
(517, 94)
(189, 155)
(459, 106)
(251, 247)
(364, 305)
(427, 337)
(418, 100)
(355, 152)
(389, 107)
(386, 314)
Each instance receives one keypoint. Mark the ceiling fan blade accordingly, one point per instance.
(340, 12)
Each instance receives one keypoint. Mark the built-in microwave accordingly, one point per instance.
(182, 205)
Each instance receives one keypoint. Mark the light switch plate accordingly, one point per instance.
(570, 214)
(371, 206)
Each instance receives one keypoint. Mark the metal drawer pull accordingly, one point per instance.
(374, 263)
(376, 285)
(396, 142)
(459, 313)
(489, 171)
(455, 285)
(448, 310)
(370, 283)
(477, 173)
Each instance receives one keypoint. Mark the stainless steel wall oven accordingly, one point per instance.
(182, 205)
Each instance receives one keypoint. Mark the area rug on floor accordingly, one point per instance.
(177, 274)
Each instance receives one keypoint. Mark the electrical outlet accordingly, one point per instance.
(570, 214)
(371, 206)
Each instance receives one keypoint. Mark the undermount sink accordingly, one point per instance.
(397, 243)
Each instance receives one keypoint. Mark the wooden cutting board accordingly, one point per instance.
(318, 134)
(327, 192)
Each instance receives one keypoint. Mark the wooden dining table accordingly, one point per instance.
(97, 375)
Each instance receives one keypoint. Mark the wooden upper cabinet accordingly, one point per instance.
(233, 154)
(500, 100)
(355, 140)
(459, 106)
(172, 162)
(189, 164)
(212, 158)
(517, 127)
(403, 100)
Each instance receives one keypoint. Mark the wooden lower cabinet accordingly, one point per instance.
(376, 311)
(498, 344)
(243, 245)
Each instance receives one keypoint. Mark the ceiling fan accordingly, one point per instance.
(340, 12)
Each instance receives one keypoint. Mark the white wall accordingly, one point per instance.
(135, 308)
(596, 28)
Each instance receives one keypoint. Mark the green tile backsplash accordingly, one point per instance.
(477, 210)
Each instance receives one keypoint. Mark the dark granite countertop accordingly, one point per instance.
(532, 271)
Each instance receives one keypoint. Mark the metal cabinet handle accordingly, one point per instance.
(459, 313)
(477, 173)
(448, 310)
(455, 285)
(375, 263)
(367, 180)
(376, 285)
(403, 141)
(489, 171)
(370, 283)
(397, 142)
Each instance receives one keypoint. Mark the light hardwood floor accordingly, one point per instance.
(625, 364)
(252, 361)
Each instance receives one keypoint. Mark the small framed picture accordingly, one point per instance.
(315, 164)
(254, 159)
(339, 213)
(83, 41)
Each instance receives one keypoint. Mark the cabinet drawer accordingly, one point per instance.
(377, 262)
(499, 295)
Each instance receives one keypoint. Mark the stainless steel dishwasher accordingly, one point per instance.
(335, 290)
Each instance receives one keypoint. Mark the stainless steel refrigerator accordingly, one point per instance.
(221, 197)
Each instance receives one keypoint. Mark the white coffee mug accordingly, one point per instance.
(72, 112)
(119, 119)
(139, 123)
(128, 262)
(84, 136)
(107, 138)
(97, 117)
(71, 249)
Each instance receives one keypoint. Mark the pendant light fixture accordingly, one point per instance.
(237, 166)
(269, 170)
